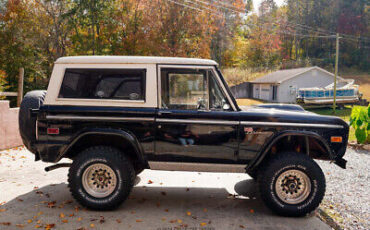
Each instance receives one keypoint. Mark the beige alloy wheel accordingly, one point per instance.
(293, 186)
(99, 180)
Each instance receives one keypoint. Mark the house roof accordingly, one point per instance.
(280, 76)
(133, 60)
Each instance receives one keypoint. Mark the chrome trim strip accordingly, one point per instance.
(257, 123)
(87, 118)
(192, 121)
(197, 167)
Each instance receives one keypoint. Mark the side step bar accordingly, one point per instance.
(56, 166)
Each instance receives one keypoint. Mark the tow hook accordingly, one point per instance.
(56, 166)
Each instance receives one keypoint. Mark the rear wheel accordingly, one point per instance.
(291, 184)
(101, 178)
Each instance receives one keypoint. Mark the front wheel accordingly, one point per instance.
(101, 178)
(292, 184)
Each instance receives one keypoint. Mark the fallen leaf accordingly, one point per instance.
(166, 210)
(39, 192)
(163, 219)
(150, 182)
(132, 212)
(251, 211)
(20, 200)
(38, 226)
(61, 215)
(79, 219)
(39, 222)
(179, 221)
(205, 210)
(118, 221)
(20, 225)
(51, 204)
(40, 213)
(187, 189)
(70, 215)
(188, 213)
(203, 224)
(82, 228)
(6, 223)
(173, 221)
(29, 221)
(2, 210)
(138, 221)
(49, 226)
(241, 226)
(92, 225)
(158, 204)
(163, 193)
(65, 221)
(102, 220)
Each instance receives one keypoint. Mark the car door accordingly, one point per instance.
(195, 122)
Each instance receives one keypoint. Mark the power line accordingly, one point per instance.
(199, 6)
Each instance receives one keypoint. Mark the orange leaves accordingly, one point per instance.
(2, 210)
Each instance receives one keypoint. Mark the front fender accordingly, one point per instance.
(265, 149)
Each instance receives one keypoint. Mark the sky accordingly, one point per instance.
(256, 3)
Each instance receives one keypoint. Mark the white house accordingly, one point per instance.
(281, 86)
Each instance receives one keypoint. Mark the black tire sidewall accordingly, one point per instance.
(307, 201)
(119, 166)
(313, 172)
(86, 196)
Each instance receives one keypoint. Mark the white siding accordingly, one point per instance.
(313, 78)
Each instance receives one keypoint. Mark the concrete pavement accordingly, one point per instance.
(160, 200)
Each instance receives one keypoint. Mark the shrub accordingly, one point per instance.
(360, 121)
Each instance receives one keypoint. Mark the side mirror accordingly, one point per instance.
(226, 107)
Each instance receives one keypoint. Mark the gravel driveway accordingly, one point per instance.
(347, 198)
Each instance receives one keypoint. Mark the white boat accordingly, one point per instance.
(347, 93)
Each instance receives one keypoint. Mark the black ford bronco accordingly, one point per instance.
(116, 116)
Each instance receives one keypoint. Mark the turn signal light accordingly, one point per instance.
(336, 139)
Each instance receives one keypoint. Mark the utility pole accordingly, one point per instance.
(336, 72)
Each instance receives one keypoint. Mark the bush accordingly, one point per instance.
(360, 121)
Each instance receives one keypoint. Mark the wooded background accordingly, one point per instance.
(34, 33)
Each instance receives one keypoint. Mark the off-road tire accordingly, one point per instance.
(111, 157)
(277, 165)
(27, 124)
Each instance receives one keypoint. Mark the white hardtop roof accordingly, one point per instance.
(133, 60)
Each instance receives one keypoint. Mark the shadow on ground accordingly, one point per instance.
(151, 208)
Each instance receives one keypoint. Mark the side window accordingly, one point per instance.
(184, 89)
(124, 84)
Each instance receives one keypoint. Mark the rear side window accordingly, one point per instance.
(123, 84)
